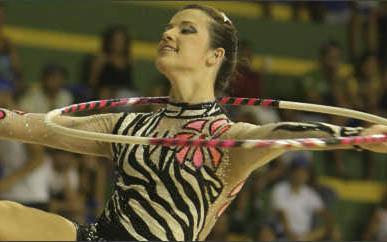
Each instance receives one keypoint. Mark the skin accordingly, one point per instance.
(191, 67)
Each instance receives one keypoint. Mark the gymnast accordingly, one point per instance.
(160, 192)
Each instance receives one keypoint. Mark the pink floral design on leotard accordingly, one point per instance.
(194, 130)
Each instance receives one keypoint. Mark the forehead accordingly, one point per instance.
(196, 16)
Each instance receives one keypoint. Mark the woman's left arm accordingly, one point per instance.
(251, 159)
(375, 129)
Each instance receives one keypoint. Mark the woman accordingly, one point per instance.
(111, 71)
(162, 193)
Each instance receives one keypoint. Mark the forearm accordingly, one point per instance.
(30, 128)
(297, 130)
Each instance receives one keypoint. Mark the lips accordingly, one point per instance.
(166, 47)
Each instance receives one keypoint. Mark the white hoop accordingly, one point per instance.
(87, 135)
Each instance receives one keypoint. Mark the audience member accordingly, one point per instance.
(362, 28)
(376, 229)
(323, 84)
(9, 58)
(49, 93)
(93, 183)
(66, 198)
(111, 71)
(248, 82)
(296, 203)
(25, 169)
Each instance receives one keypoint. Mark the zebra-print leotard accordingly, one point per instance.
(166, 193)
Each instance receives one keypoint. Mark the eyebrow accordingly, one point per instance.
(185, 22)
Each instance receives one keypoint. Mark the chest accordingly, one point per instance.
(192, 156)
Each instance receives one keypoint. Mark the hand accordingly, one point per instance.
(375, 129)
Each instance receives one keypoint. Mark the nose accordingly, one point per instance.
(168, 35)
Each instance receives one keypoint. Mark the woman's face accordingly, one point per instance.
(185, 42)
(118, 41)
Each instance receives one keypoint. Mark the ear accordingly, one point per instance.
(216, 56)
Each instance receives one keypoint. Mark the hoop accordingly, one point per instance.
(277, 143)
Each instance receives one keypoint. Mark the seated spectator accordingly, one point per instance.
(363, 27)
(295, 204)
(366, 80)
(265, 232)
(382, 104)
(248, 82)
(93, 179)
(220, 230)
(324, 83)
(111, 71)
(49, 93)
(9, 58)
(25, 170)
(66, 198)
(376, 229)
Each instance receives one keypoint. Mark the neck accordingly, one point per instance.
(295, 187)
(192, 89)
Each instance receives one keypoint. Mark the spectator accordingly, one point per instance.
(248, 83)
(382, 104)
(9, 58)
(93, 179)
(382, 31)
(296, 203)
(50, 93)
(366, 80)
(363, 27)
(265, 232)
(220, 230)
(111, 71)
(24, 169)
(323, 84)
(376, 229)
(66, 198)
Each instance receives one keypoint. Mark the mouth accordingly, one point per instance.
(167, 48)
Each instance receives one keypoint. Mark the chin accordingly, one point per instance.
(163, 64)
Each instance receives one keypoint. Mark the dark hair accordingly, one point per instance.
(108, 35)
(362, 60)
(52, 68)
(222, 34)
(327, 46)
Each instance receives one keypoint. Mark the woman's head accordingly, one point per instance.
(116, 39)
(367, 65)
(199, 37)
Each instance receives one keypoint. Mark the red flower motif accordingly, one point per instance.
(195, 128)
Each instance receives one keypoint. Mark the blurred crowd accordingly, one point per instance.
(283, 201)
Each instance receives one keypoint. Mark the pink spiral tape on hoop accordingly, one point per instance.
(278, 143)
(100, 104)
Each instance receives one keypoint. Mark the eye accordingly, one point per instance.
(188, 30)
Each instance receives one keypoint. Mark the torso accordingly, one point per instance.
(169, 193)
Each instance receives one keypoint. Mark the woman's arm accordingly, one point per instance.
(248, 160)
(376, 129)
(30, 128)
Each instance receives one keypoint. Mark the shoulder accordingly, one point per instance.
(281, 188)
(126, 120)
(308, 191)
(240, 128)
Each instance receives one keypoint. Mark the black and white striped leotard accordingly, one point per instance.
(166, 193)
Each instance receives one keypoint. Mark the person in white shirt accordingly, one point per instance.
(24, 168)
(296, 203)
(377, 226)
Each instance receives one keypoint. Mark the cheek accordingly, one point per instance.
(195, 53)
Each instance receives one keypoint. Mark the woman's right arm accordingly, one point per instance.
(30, 128)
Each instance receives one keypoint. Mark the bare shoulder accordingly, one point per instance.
(242, 130)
